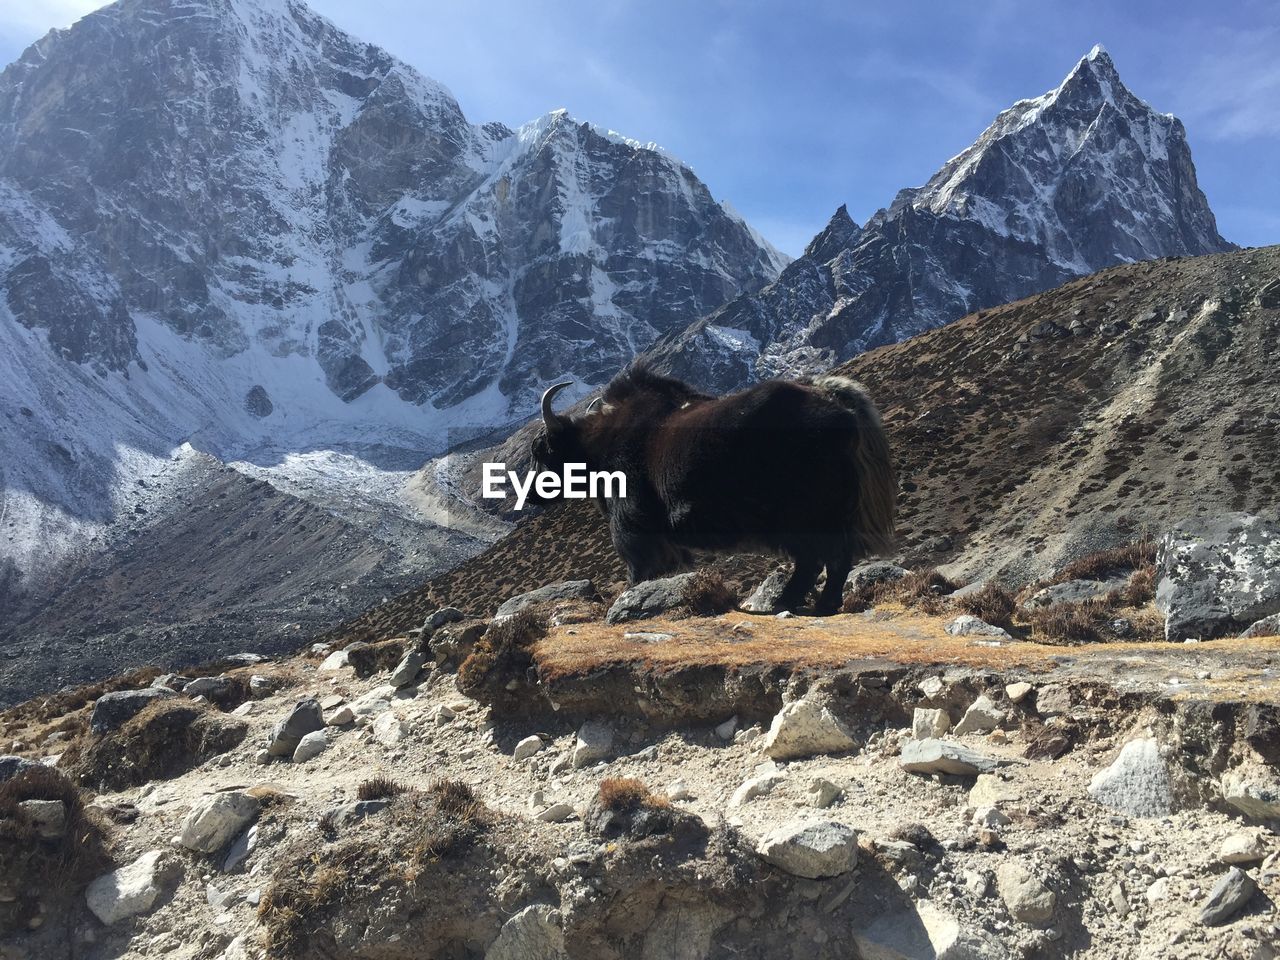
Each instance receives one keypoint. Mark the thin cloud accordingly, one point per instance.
(1233, 92)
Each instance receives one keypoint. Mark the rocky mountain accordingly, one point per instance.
(1081, 178)
(228, 224)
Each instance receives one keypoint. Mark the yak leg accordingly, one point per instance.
(838, 564)
(803, 577)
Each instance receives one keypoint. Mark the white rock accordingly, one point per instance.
(926, 723)
(593, 743)
(678, 790)
(1024, 894)
(532, 934)
(1242, 848)
(726, 730)
(1017, 692)
(922, 930)
(823, 793)
(556, 813)
(1254, 790)
(244, 710)
(334, 662)
(1053, 700)
(805, 728)
(340, 717)
(244, 845)
(755, 787)
(215, 819)
(988, 790)
(1159, 890)
(48, 816)
(527, 747)
(931, 686)
(981, 717)
(1136, 783)
(814, 849)
(967, 625)
(389, 729)
(132, 889)
(990, 817)
(944, 756)
(312, 745)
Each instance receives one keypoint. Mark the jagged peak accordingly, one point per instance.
(837, 236)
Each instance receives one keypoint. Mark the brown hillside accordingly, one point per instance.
(1025, 436)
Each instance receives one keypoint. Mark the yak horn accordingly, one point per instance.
(592, 405)
(549, 417)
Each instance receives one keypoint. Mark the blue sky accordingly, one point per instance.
(789, 109)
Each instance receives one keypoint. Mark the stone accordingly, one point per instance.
(726, 730)
(1233, 890)
(568, 590)
(215, 820)
(1053, 700)
(212, 688)
(1218, 575)
(340, 717)
(967, 625)
(407, 669)
(988, 790)
(348, 813)
(811, 849)
(942, 756)
(1136, 782)
(245, 709)
(304, 718)
(338, 660)
(310, 746)
(438, 618)
(650, 599)
(331, 701)
(532, 934)
(764, 599)
(527, 747)
(922, 931)
(260, 685)
(389, 729)
(1159, 890)
(239, 850)
(11, 766)
(823, 793)
(1266, 627)
(49, 817)
(678, 790)
(982, 716)
(931, 687)
(988, 816)
(132, 889)
(872, 572)
(556, 813)
(1119, 902)
(1253, 789)
(113, 710)
(1072, 591)
(927, 723)
(755, 787)
(594, 743)
(1242, 848)
(1017, 692)
(1024, 894)
(806, 728)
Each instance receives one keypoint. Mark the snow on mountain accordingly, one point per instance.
(228, 224)
(1084, 177)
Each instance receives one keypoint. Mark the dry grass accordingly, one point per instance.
(993, 603)
(707, 595)
(379, 788)
(503, 650)
(48, 869)
(923, 590)
(166, 739)
(628, 794)
(1107, 563)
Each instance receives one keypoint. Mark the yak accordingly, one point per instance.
(796, 468)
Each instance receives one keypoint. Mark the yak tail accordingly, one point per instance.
(877, 486)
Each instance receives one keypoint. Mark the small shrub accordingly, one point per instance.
(1070, 622)
(503, 651)
(628, 794)
(993, 603)
(456, 797)
(450, 820)
(1107, 563)
(378, 788)
(707, 595)
(923, 590)
(1141, 588)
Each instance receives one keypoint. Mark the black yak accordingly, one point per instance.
(796, 468)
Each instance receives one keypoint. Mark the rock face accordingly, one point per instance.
(813, 850)
(805, 728)
(1058, 186)
(532, 934)
(245, 238)
(1136, 783)
(1218, 576)
(132, 889)
(649, 599)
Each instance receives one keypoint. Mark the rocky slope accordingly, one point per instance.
(1081, 178)
(1024, 436)
(226, 222)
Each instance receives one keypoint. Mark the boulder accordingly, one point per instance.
(312, 745)
(568, 590)
(806, 728)
(213, 689)
(594, 743)
(527, 747)
(112, 711)
(1242, 848)
(306, 717)
(1024, 894)
(1228, 897)
(408, 669)
(1253, 789)
(215, 820)
(1053, 700)
(1073, 591)
(240, 849)
(389, 729)
(132, 889)
(1266, 627)
(927, 724)
(349, 813)
(764, 599)
(983, 716)
(755, 787)
(922, 930)
(650, 599)
(823, 793)
(1136, 782)
(967, 625)
(438, 618)
(49, 817)
(943, 756)
(1017, 692)
(872, 572)
(1218, 575)
(811, 849)
(11, 766)
(532, 934)
(338, 660)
